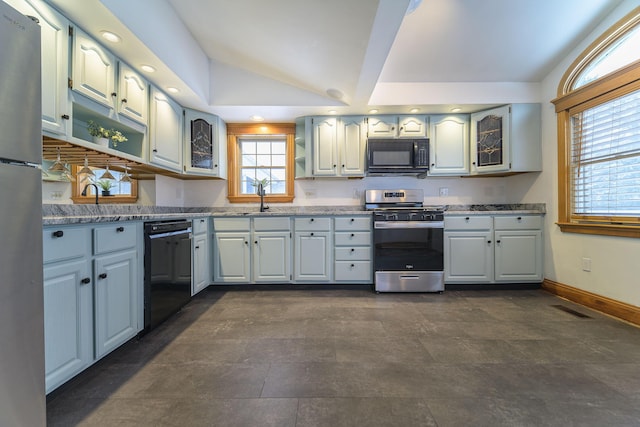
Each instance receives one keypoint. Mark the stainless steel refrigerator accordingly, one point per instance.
(22, 389)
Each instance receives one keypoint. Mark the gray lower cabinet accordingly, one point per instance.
(313, 246)
(92, 294)
(493, 249)
(353, 249)
(250, 250)
(200, 255)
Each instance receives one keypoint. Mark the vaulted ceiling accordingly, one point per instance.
(285, 58)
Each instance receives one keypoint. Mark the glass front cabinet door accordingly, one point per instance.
(490, 140)
(204, 144)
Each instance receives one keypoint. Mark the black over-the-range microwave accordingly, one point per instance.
(398, 155)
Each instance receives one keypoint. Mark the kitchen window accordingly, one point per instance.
(121, 189)
(260, 153)
(598, 111)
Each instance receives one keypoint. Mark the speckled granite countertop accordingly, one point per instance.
(54, 214)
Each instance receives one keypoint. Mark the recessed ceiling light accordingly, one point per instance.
(332, 111)
(173, 89)
(148, 68)
(414, 110)
(257, 118)
(109, 36)
(373, 111)
(456, 110)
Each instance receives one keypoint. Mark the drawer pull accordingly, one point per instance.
(311, 219)
(353, 250)
(58, 233)
(197, 247)
(85, 281)
(498, 241)
(312, 234)
(488, 241)
(353, 265)
(519, 218)
(352, 219)
(102, 276)
(467, 219)
(120, 229)
(352, 234)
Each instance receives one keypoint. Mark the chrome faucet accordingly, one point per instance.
(261, 194)
(84, 192)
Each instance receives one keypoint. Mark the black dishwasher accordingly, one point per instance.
(167, 269)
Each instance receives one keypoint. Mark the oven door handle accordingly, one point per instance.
(408, 224)
(169, 234)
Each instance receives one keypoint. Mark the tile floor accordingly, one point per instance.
(349, 357)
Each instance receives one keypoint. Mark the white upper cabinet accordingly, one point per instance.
(339, 146)
(325, 140)
(133, 94)
(54, 30)
(412, 127)
(449, 145)
(99, 76)
(94, 69)
(397, 127)
(205, 137)
(506, 139)
(165, 131)
(352, 144)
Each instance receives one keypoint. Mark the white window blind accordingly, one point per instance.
(605, 158)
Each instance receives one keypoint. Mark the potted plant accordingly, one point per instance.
(102, 135)
(106, 186)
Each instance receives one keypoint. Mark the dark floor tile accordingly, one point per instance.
(623, 377)
(370, 412)
(471, 351)
(592, 413)
(288, 350)
(196, 411)
(488, 412)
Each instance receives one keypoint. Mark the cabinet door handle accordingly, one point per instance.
(352, 235)
(467, 219)
(312, 234)
(102, 276)
(255, 241)
(519, 218)
(124, 100)
(154, 150)
(246, 243)
(65, 117)
(114, 94)
(85, 281)
(352, 265)
(498, 241)
(311, 219)
(352, 250)
(120, 229)
(353, 219)
(197, 247)
(489, 242)
(58, 233)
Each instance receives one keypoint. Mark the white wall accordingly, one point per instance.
(345, 192)
(615, 266)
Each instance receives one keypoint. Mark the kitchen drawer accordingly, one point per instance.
(114, 237)
(232, 224)
(356, 271)
(353, 223)
(359, 253)
(518, 222)
(313, 224)
(278, 223)
(60, 243)
(470, 222)
(355, 238)
(200, 225)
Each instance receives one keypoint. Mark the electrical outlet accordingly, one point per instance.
(586, 264)
(444, 191)
(310, 193)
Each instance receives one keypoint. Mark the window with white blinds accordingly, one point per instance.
(605, 159)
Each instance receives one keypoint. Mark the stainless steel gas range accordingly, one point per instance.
(408, 241)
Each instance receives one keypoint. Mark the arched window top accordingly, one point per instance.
(615, 49)
(621, 52)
